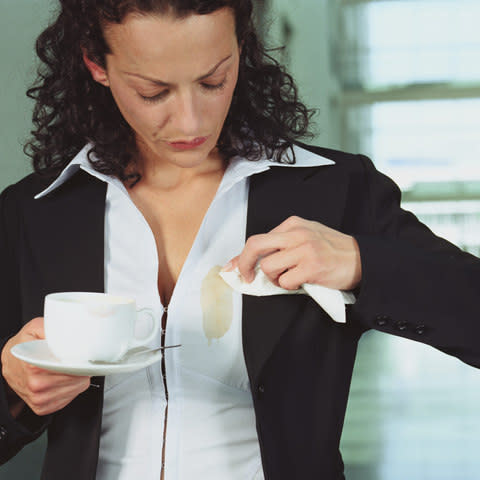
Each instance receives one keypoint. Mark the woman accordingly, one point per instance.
(165, 137)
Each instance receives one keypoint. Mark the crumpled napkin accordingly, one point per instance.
(332, 301)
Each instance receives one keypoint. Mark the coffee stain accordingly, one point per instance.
(216, 299)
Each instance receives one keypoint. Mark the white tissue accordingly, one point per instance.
(332, 301)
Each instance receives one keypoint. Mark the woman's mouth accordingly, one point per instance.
(187, 144)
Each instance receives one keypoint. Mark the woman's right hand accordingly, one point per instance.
(43, 391)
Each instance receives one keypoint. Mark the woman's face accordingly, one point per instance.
(173, 81)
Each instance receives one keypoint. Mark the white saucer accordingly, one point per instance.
(37, 353)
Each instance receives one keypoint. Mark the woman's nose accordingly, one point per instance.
(186, 115)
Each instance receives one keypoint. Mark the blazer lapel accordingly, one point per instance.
(310, 193)
(63, 248)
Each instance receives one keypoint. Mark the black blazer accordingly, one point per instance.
(299, 361)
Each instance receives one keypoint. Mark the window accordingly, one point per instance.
(410, 78)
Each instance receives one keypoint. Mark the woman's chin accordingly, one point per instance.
(188, 158)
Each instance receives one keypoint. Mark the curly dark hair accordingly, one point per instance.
(265, 117)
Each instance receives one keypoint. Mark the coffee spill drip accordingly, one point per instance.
(216, 299)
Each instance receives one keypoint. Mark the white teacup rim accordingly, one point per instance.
(90, 297)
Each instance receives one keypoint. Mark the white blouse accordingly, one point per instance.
(210, 421)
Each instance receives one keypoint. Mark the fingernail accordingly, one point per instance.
(250, 278)
(227, 267)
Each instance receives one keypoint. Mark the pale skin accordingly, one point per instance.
(173, 80)
(43, 391)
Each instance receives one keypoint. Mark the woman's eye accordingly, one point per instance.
(154, 98)
(214, 86)
(160, 96)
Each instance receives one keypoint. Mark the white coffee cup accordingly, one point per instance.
(85, 326)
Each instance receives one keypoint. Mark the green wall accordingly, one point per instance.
(21, 21)
(303, 27)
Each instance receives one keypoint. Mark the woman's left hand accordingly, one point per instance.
(301, 251)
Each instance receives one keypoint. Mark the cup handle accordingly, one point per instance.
(140, 342)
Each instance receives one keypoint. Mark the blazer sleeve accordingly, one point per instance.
(14, 433)
(415, 284)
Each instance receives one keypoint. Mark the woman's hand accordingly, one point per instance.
(43, 391)
(301, 251)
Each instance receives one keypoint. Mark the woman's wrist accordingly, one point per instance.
(15, 403)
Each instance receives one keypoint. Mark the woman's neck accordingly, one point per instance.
(162, 175)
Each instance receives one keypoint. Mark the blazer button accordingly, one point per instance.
(420, 329)
(382, 320)
(260, 390)
(3, 433)
(401, 325)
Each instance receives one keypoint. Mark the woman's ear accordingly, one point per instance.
(98, 73)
